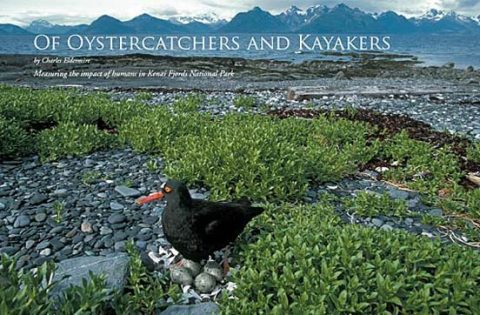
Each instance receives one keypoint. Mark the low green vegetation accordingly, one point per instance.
(144, 96)
(90, 177)
(312, 263)
(255, 156)
(27, 292)
(14, 140)
(58, 208)
(71, 139)
(433, 171)
(423, 167)
(370, 205)
(473, 153)
(245, 101)
(189, 104)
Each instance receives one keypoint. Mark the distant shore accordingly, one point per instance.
(212, 73)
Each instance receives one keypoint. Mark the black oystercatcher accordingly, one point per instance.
(197, 228)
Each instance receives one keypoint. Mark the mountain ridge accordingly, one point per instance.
(315, 19)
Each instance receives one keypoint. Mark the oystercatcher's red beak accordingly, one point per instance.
(152, 197)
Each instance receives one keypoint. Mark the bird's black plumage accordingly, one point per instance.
(197, 228)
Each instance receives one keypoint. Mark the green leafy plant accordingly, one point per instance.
(145, 292)
(473, 152)
(90, 177)
(71, 139)
(312, 263)
(91, 297)
(417, 157)
(152, 165)
(25, 292)
(58, 208)
(126, 182)
(144, 96)
(14, 140)
(368, 204)
(190, 103)
(245, 101)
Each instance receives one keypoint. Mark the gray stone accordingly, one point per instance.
(46, 252)
(120, 236)
(208, 308)
(43, 245)
(377, 222)
(21, 221)
(413, 203)
(119, 246)
(38, 198)
(29, 244)
(127, 191)
(116, 206)
(113, 267)
(116, 218)
(9, 250)
(436, 212)
(2, 206)
(57, 229)
(105, 230)
(398, 194)
(408, 221)
(40, 217)
(60, 192)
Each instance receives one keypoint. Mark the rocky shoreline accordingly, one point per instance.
(247, 73)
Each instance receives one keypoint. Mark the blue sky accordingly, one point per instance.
(84, 11)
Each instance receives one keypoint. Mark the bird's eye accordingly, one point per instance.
(167, 189)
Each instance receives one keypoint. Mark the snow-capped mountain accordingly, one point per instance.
(293, 17)
(45, 27)
(440, 21)
(316, 19)
(207, 18)
(432, 14)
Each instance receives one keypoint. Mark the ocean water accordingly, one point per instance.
(431, 50)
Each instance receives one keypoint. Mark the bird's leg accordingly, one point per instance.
(226, 266)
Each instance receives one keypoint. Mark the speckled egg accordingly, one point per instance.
(181, 275)
(194, 267)
(205, 283)
(214, 269)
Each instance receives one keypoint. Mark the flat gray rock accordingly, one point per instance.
(114, 267)
(195, 309)
(116, 206)
(127, 191)
(38, 198)
(21, 221)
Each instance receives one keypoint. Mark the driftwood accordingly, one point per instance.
(301, 93)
